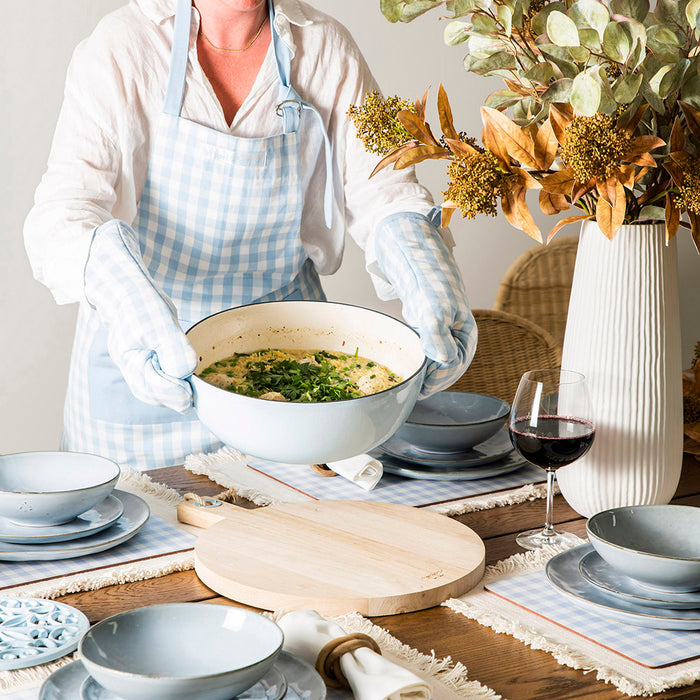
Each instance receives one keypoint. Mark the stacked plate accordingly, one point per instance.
(642, 567)
(290, 678)
(58, 505)
(451, 436)
(179, 651)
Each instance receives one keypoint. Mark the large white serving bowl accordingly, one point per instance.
(306, 433)
(657, 545)
(50, 488)
(180, 651)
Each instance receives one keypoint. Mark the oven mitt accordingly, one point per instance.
(416, 261)
(144, 338)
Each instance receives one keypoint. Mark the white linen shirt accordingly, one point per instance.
(114, 93)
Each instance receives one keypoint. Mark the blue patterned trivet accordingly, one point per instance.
(392, 489)
(34, 631)
(646, 646)
(156, 538)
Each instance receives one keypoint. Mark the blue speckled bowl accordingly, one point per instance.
(657, 545)
(453, 421)
(181, 651)
(40, 489)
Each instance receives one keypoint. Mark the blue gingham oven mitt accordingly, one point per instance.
(144, 338)
(417, 262)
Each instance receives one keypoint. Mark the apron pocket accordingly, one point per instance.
(111, 399)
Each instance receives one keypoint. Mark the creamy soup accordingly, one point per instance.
(300, 375)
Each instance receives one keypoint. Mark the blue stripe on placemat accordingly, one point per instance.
(649, 647)
(392, 489)
(157, 537)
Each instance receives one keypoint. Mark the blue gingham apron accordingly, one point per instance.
(218, 224)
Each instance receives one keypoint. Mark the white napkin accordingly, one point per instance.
(363, 470)
(371, 676)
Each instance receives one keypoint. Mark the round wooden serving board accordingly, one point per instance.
(334, 556)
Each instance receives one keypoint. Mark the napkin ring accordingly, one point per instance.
(328, 660)
(323, 470)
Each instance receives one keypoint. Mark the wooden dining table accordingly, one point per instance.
(499, 661)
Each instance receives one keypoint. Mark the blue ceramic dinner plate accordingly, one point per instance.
(70, 682)
(490, 450)
(598, 572)
(563, 573)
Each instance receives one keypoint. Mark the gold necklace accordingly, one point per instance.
(245, 48)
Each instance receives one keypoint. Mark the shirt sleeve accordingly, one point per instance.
(79, 188)
(367, 201)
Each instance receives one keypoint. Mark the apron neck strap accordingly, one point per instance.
(178, 58)
(175, 91)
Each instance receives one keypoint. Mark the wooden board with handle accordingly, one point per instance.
(334, 556)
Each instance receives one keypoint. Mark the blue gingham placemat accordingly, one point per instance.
(392, 489)
(649, 647)
(157, 537)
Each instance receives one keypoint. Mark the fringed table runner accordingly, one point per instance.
(515, 598)
(173, 552)
(264, 482)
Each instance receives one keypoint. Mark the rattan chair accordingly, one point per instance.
(537, 285)
(508, 346)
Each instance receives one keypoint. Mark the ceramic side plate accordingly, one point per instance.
(507, 464)
(598, 572)
(491, 450)
(92, 521)
(563, 573)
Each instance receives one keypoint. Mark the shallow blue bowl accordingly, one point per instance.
(453, 421)
(657, 545)
(40, 489)
(181, 651)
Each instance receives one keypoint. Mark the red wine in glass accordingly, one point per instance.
(554, 441)
(551, 426)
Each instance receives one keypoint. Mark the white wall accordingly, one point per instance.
(36, 334)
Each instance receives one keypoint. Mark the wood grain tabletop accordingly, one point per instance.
(499, 661)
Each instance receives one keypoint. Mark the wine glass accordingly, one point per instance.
(551, 425)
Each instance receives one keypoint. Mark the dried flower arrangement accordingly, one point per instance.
(605, 100)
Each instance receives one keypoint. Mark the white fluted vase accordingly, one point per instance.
(623, 333)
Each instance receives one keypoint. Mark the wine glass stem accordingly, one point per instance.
(549, 517)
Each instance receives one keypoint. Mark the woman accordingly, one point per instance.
(203, 160)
